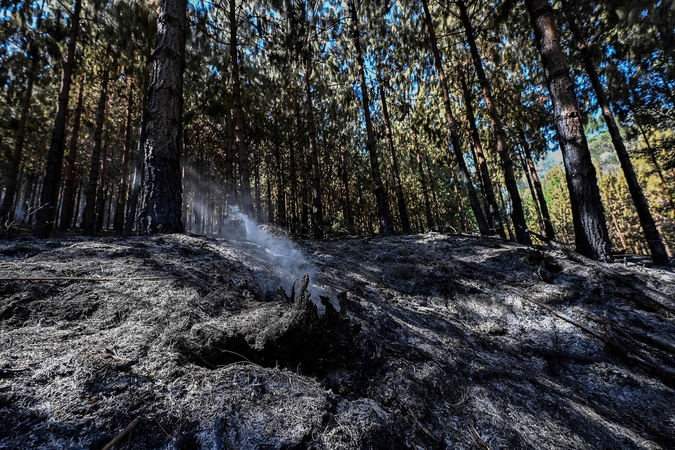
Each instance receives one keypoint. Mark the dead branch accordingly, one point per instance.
(124, 432)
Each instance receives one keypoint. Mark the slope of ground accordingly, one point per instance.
(422, 342)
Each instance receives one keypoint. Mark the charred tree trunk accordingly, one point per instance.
(50, 188)
(69, 191)
(229, 160)
(458, 199)
(317, 202)
(488, 189)
(346, 200)
(294, 185)
(304, 174)
(423, 184)
(656, 246)
(122, 190)
(454, 136)
(590, 228)
(383, 214)
(281, 195)
(398, 186)
(162, 190)
(139, 156)
(89, 215)
(239, 121)
(517, 215)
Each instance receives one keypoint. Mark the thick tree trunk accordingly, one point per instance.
(398, 186)
(317, 202)
(383, 214)
(89, 215)
(546, 217)
(239, 120)
(69, 191)
(50, 188)
(488, 189)
(656, 246)
(122, 190)
(590, 228)
(454, 136)
(162, 190)
(517, 214)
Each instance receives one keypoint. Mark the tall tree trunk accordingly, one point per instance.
(89, 215)
(346, 200)
(50, 188)
(458, 199)
(239, 121)
(103, 185)
(294, 184)
(140, 150)
(590, 228)
(317, 202)
(533, 194)
(383, 214)
(548, 225)
(260, 217)
(398, 186)
(488, 189)
(162, 190)
(432, 188)
(69, 191)
(454, 136)
(122, 190)
(656, 246)
(517, 214)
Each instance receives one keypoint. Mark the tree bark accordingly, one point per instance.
(483, 226)
(89, 214)
(103, 185)
(656, 246)
(281, 194)
(44, 222)
(383, 214)
(423, 183)
(122, 190)
(398, 186)
(488, 189)
(162, 191)
(590, 228)
(517, 214)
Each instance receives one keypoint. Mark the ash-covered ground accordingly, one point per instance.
(438, 342)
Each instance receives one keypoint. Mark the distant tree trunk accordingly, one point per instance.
(517, 214)
(432, 187)
(590, 228)
(162, 190)
(533, 194)
(454, 136)
(139, 156)
(304, 173)
(89, 215)
(7, 206)
(398, 186)
(488, 189)
(260, 217)
(346, 200)
(317, 201)
(423, 183)
(281, 196)
(229, 160)
(68, 205)
(122, 190)
(656, 246)
(384, 216)
(103, 185)
(239, 121)
(294, 185)
(546, 217)
(50, 187)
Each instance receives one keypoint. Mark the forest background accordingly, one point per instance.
(328, 118)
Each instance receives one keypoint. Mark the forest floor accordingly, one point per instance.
(429, 341)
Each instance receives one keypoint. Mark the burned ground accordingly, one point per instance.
(438, 342)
